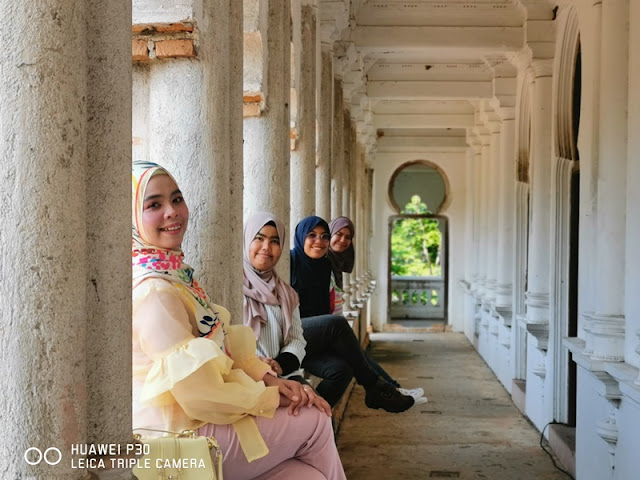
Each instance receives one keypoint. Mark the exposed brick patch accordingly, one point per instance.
(175, 48)
(252, 97)
(163, 41)
(252, 104)
(151, 28)
(250, 110)
(139, 50)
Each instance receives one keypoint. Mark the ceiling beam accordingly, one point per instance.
(434, 89)
(417, 37)
(417, 144)
(424, 121)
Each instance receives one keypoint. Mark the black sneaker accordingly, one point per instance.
(385, 396)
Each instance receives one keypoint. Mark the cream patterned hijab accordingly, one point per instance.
(148, 261)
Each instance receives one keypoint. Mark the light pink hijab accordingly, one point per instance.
(264, 288)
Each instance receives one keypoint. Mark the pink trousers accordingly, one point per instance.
(300, 447)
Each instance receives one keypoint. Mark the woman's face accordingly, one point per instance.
(341, 240)
(165, 214)
(265, 249)
(316, 243)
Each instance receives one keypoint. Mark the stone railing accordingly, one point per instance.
(417, 297)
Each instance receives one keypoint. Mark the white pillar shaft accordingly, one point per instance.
(484, 213)
(506, 172)
(613, 153)
(632, 283)
(346, 170)
(607, 328)
(303, 159)
(538, 261)
(477, 212)
(493, 209)
(267, 144)
(469, 176)
(337, 151)
(325, 122)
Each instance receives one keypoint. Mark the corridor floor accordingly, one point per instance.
(469, 429)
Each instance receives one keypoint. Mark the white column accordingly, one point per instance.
(303, 158)
(588, 141)
(484, 214)
(476, 180)
(537, 296)
(66, 159)
(506, 173)
(325, 122)
(493, 186)
(267, 145)
(337, 151)
(632, 257)
(607, 323)
(346, 169)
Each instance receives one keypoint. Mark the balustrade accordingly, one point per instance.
(417, 297)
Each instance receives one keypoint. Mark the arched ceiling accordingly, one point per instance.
(416, 73)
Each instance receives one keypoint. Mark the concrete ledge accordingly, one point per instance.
(341, 406)
(519, 394)
(562, 440)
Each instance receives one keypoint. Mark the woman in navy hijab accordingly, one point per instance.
(333, 352)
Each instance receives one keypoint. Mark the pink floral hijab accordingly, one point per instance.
(148, 261)
(262, 288)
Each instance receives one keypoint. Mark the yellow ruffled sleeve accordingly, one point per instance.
(195, 372)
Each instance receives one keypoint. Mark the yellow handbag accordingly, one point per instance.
(184, 456)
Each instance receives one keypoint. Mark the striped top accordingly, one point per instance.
(271, 344)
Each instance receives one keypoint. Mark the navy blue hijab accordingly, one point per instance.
(310, 277)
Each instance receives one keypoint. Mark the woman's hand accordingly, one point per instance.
(316, 400)
(275, 366)
(294, 395)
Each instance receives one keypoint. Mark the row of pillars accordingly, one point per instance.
(66, 113)
(605, 144)
(491, 206)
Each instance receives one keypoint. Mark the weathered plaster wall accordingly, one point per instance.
(453, 166)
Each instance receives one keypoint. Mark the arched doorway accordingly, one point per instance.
(418, 239)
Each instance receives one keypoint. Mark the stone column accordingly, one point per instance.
(108, 236)
(267, 145)
(469, 176)
(195, 130)
(325, 129)
(537, 295)
(219, 172)
(506, 174)
(346, 171)
(632, 257)
(66, 161)
(493, 207)
(607, 322)
(476, 183)
(303, 158)
(337, 150)
(484, 214)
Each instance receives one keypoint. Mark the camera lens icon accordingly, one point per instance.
(48, 456)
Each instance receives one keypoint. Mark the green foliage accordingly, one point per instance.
(415, 243)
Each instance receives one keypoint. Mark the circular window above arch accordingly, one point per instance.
(420, 179)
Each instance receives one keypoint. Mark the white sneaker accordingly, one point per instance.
(412, 392)
(419, 400)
